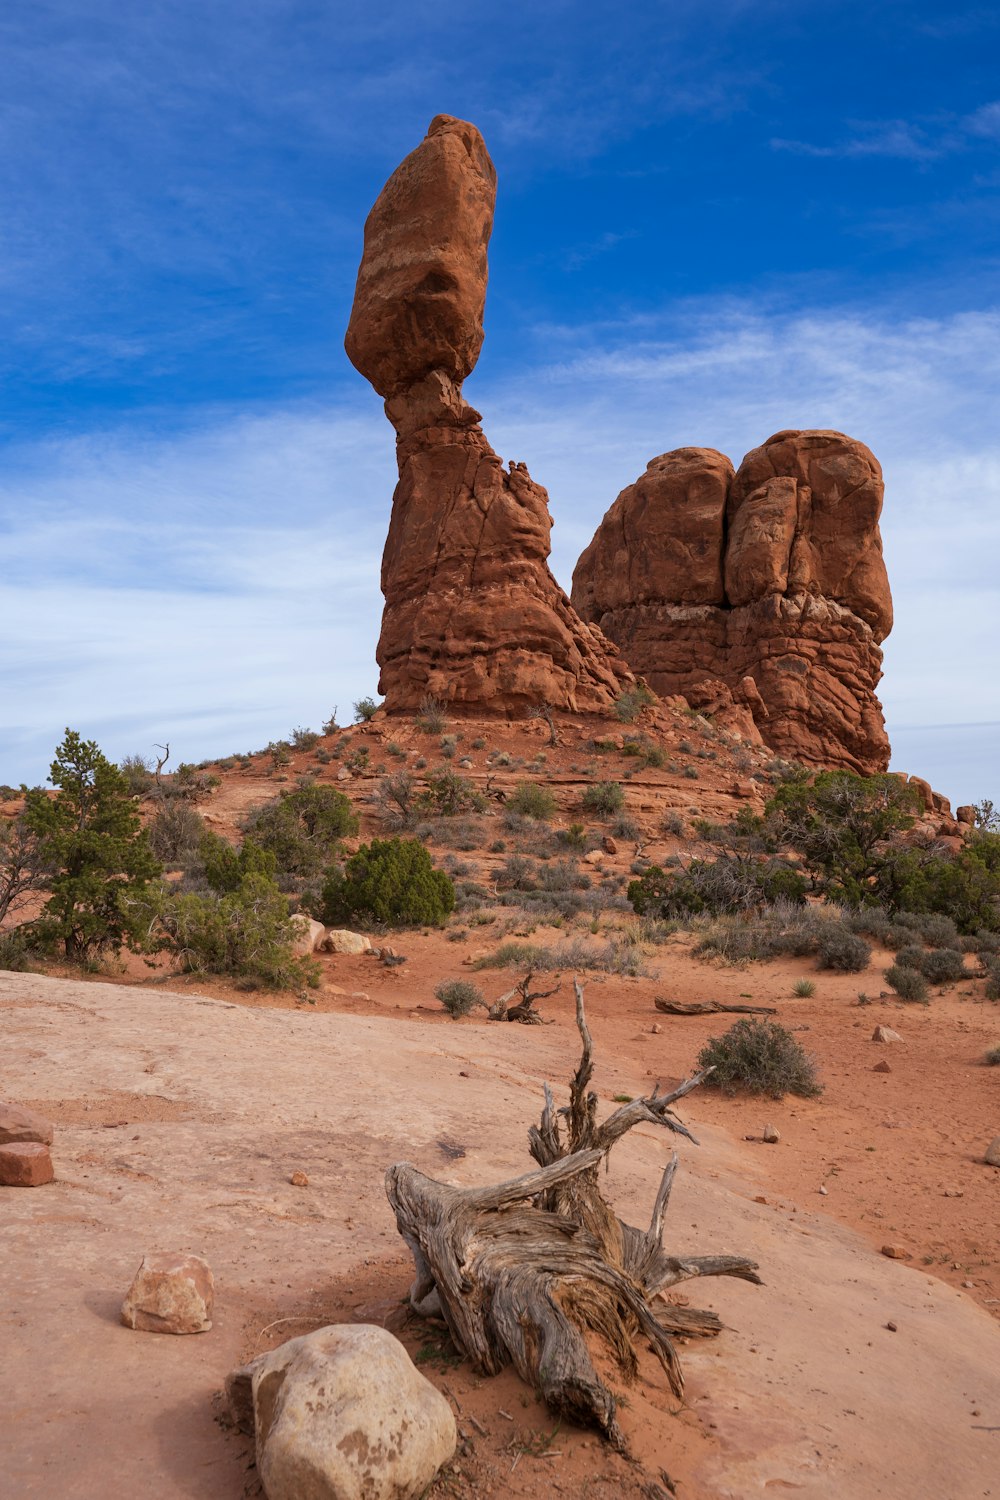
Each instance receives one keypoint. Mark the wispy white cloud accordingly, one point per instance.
(918, 140)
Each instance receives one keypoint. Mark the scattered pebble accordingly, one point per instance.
(891, 1327)
(895, 1252)
(882, 1067)
(299, 1179)
(771, 1135)
(824, 1192)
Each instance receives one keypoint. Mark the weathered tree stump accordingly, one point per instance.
(525, 1271)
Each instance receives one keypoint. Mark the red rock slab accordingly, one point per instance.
(25, 1164)
(17, 1124)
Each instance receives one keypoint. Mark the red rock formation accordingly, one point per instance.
(472, 616)
(784, 607)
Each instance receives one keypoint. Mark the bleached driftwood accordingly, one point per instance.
(524, 1271)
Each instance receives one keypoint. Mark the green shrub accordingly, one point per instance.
(617, 956)
(226, 867)
(717, 886)
(573, 837)
(302, 829)
(21, 948)
(364, 710)
(760, 1057)
(175, 833)
(305, 739)
(459, 996)
(909, 984)
(803, 989)
(245, 933)
(943, 965)
(846, 827)
(964, 886)
(448, 795)
(431, 719)
(90, 840)
(843, 951)
(604, 799)
(532, 800)
(138, 773)
(390, 881)
(646, 752)
(630, 703)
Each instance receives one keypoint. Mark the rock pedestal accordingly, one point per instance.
(473, 616)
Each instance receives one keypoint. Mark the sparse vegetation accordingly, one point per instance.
(532, 800)
(389, 881)
(803, 989)
(909, 984)
(760, 1057)
(365, 709)
(431, 719)
(175, 833)
(459, 996)
(604, 799)
(724, 885)
(842, 950)
(630, 703)
(303, 828)
(244, 932)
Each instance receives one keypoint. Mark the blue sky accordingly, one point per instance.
(714, 221)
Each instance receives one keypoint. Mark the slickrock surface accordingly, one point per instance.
(804, 1391)
(761, 593)
(472, 613)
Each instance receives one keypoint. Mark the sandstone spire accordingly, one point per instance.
(472, 614)
(765, 588)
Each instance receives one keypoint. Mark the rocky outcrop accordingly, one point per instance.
(759, 593)
(472, 616)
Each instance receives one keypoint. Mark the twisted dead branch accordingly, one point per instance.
(524, 1271)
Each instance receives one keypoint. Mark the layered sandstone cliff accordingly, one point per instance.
(763, 589)
(473, 616)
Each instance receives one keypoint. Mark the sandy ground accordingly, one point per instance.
(181, 1117)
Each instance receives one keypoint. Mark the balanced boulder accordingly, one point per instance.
(473, 617)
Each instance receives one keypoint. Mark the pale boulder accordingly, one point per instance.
(343, 1414)
(309, 935)
(170, 1293)
(339, 940)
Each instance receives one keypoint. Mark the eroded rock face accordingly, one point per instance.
(472, 615)
(783, 607)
